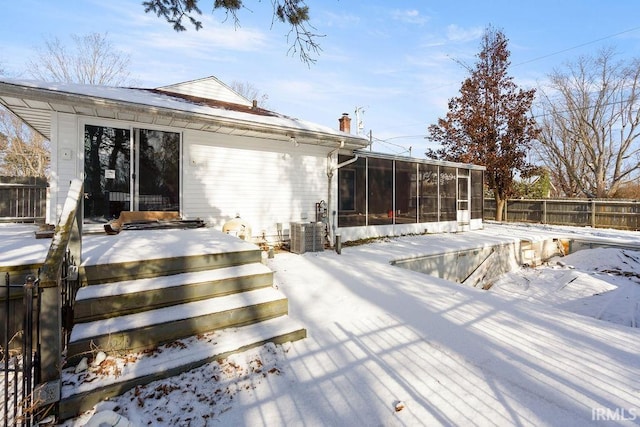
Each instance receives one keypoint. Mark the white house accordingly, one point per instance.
(201, 149)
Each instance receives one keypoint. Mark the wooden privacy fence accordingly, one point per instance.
(23, 199)
(616, 214)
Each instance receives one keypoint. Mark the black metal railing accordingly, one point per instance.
(32, 353)
(20, 354)
(69, 285)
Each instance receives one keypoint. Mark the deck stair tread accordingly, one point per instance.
(225, 340)
(84, 331)
(201, 241)
(161, 282)
(135, 304)
(79, 397)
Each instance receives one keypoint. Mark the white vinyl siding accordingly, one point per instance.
(265, 181)
(68, 157)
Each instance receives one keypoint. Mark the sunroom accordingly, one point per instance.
(382, 195)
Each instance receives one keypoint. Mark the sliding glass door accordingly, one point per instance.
(128, 169)
(157, 184)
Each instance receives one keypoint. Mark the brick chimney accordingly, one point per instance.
(345, 123)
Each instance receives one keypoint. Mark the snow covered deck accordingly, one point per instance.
(382, 338)
(18, 245)
(453, 355)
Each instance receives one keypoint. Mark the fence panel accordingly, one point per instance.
(23, 199)
(616, 214)
(524, 210)
(568, 212)
(622, 216)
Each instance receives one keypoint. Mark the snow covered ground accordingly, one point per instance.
(553, 346)
(603, 283)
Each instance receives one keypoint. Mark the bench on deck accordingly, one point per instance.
(136, 220)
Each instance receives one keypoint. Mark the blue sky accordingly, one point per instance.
(397, 61)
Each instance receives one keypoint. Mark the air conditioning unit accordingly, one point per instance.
(307, 237)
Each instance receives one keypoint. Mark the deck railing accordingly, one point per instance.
(37, 320)
(19, 352)
(23, 199)
(58, 282)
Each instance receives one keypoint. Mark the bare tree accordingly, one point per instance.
(249, 91)
(295, 13)
(24, 152)
(489, 123)
(590, 124)
(560, 157)
(92, 60)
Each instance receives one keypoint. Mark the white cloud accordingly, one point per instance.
(458, 34)
(341, 20)
(209, 40)
(146, 31)
(411, 16)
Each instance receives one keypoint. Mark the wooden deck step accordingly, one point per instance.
(77, 398)
(137, 255)
(96, 302)
(116, 272)
(138, 331)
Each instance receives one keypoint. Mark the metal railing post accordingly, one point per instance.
(27, 349)
(5, 350)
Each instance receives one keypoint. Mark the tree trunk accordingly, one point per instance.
(500, 204)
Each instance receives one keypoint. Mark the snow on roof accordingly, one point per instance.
(171, 99)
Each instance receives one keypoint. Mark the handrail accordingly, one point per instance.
(67, 240)
(66, 235)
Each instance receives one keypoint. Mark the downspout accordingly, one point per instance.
(330, 171)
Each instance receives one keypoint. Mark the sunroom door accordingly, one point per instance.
(129, 170)
(463, 212)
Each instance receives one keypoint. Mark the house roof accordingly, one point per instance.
(210, 88)
(204, 104)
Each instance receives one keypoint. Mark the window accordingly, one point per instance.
(448, 197)
(428, 193)
(477, 194)
(463, 189)
(107, 169)
(158, 182)
(380, 185)
(406, 192)
(129, 169)
(352, 192)
(347, 190)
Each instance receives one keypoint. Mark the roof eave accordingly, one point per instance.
(188, 119)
